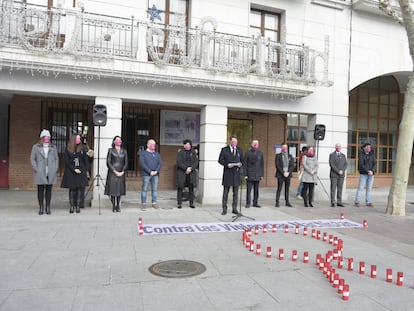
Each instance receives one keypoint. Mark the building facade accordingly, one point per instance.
(177, 69)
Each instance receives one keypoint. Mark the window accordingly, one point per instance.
(65, 118)
(173, 10)
(138, 124)
(296, 134)
(375, 109)
(175, 13)
(44, 25)
(265, 24)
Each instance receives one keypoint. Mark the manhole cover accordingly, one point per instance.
(177, 268)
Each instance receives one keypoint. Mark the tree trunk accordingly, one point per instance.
(398, 192)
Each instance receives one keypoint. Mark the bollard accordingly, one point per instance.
(388, 277)
(305, 257)
(340, 263)
(248, 243)
(140, 221)
(281, 254)
(327, 271)
(330, 239)
(332, 276)
(341, 216)
(256, 230)
(274, 228)
(350, 264)
(329, 256)
(258, 249)
(318, 234)
(341, 286)
(264, 229)
(141, 230)
(269, 252)
(325, 237)
(305, 231)
(313, 234)
(335, 254)
(400, 278)
(286, 228)
(373, 271)
(321, 264)
(336, 281)
(345, 292)
(318, 258)
(252, 246)
(365, 223)
(361, 267)
(296, 229)
(294, 255)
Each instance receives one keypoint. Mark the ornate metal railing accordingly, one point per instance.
(48, 30)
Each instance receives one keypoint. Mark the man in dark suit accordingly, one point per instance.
(284, 167)
(253, 172)
(338, 164)
(231, 157)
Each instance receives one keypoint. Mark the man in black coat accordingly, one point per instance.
(253, 172)
(284, 167)
(187, 165)
(231, 157)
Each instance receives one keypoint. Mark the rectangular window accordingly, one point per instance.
(65, 118)
(139, 124)
(173, 13)
(296, 133)
(265, 24)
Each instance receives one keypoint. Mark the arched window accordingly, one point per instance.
(375, 109)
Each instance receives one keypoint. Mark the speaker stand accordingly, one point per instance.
(98, 177)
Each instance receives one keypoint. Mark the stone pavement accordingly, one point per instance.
(97, 261)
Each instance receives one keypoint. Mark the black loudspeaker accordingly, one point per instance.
(99, 115)
(319, 132)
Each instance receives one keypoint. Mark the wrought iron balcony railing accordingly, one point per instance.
(49, 30)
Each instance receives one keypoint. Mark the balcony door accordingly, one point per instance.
(174, 17)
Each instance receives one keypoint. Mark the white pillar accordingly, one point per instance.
(213, 135)
(103, 140)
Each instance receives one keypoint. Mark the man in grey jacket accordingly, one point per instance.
(338, 164)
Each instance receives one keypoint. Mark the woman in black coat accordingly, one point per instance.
(75, 176)
(117, 163)
(187, 165)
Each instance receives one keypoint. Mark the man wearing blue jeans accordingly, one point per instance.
(150, 162)
(367, 165)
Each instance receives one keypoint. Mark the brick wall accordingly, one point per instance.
(24, 133)
(25, 118)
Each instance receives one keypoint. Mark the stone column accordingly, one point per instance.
(213, 135)
(103, 140)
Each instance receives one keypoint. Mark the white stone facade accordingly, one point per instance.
(363, 44)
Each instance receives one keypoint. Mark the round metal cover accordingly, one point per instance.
(177, 268)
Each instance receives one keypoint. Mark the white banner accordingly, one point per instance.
(154, 229)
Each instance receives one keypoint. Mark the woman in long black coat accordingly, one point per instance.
(187, 165)
(75, 176)
(117, 163)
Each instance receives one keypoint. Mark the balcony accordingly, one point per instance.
(51, 40)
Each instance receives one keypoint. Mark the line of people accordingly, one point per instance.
(236, 165)
(251, 166)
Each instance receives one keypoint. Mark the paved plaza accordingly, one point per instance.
(96, 260)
